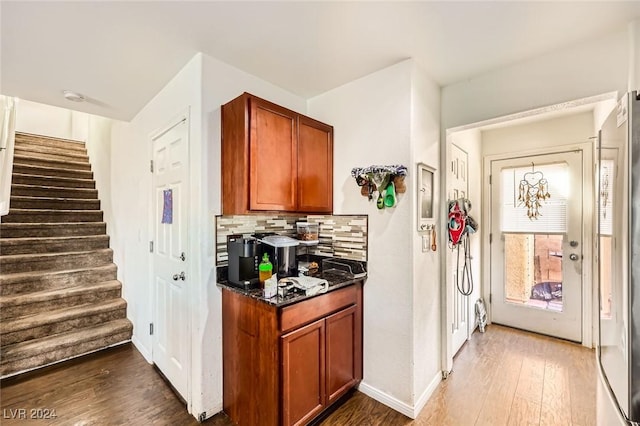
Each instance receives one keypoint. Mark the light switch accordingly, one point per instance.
(425, 243)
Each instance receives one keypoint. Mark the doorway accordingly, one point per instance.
(536, 224)
(170, 258)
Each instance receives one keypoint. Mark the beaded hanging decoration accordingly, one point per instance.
(604, 191)
(533, 190)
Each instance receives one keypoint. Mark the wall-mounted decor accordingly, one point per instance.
(387, 181)
(426, 188)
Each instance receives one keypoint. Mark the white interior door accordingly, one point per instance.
(458, 188)
(170, 257)
(536, 264)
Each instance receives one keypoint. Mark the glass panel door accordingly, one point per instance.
(536, 249)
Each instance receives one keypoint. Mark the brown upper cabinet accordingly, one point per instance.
(274, 159)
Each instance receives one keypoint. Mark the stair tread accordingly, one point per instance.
(59, 315)
(47, 177)
(53, 188)
(42, 296)
(26, 135)
(37, 198)
(79, 157)
(17, 158)
(45, 171)
(20, 276)
(49, 224)
(10, 258)
(30, 347)
(26, 240)
(48, 211)
(51, 177)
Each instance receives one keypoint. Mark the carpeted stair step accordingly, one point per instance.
(19, 305)
(53, 191)
(36, 353)
(30, 160)
(59, 156)
(20, 202)
(50, 142)
(58, 321)
(54, 261)
(30, 169)
(24, 230)
(36, 281)
(51, 216)
(33, 245)
(52, 181)
(36, 148)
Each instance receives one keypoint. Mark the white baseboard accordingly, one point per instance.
(141, 348)
(399, 406)
(424, 398)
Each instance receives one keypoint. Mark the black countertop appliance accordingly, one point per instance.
(282, 254)
(244, 255)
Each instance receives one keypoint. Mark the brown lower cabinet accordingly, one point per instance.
(285, 365)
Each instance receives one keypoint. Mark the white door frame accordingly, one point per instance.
(446, 355)
(587, 149)
(183, 116)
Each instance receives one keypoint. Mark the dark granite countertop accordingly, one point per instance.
(335, 280)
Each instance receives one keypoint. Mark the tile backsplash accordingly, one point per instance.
(343, 236)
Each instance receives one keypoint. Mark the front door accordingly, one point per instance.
(170, 257)
(536, 243)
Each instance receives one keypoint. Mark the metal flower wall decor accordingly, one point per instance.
(532, 191)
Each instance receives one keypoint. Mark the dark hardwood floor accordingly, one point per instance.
(501, 377)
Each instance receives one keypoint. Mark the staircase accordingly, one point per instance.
(59, 297)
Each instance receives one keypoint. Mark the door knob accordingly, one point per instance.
(573, 257)
(181, 276)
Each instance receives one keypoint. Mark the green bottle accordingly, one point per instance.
(264, 269)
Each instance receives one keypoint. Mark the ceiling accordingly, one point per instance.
(120, 54)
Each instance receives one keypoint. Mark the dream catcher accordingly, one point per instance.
(533, 190)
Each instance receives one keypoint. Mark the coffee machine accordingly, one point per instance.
(243, 261)
(282, 253)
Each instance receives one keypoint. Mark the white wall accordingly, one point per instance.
(372, 118)
(202, 86)
(131, 192)
(587, 69)
(565, 130)
(220, 84)
(427, 287)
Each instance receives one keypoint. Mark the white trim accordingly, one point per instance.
(397, 405)
(568, 107)
(183, 117)
(587, 226)
(424, 398)
(140, 348)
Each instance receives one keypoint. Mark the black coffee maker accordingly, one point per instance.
(243, 261)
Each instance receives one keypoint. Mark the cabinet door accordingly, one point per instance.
(303, 364)
(341, 365)
(315, 166)
(272, 157)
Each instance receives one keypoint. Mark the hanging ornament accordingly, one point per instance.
(604, 191)
(533, 190)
